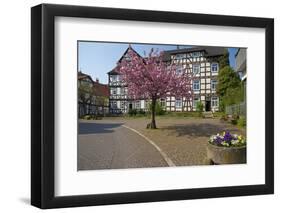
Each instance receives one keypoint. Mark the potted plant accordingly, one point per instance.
(226, 148)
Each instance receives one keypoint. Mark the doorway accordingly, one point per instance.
(208, 106)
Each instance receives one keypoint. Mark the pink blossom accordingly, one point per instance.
(152, 77)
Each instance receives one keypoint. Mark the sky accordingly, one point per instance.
(98, 58)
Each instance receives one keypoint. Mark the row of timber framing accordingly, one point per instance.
(93, 97)
(203, 60)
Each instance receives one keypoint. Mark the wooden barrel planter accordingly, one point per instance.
(226, 155)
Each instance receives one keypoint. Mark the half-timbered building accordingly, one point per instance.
(93, 97)
(119, 100)
(201, 62)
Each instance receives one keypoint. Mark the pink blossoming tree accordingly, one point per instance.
(152, 78)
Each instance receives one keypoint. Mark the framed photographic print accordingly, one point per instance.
(139, 106)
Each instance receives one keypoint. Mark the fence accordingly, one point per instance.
(236, 109)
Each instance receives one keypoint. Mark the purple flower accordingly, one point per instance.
(218, 140)
(227, 137)
(226, 140)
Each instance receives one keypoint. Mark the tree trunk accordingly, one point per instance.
(153, 106)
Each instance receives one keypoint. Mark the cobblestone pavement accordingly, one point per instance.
(184, 140)
(107, 144)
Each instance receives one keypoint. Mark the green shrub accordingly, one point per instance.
(233, 96)
(158, 109)
(141, 112)
(87, 117)
(233, 121)
(241, 121)
(221, 105)
(199, 106)
(132, 112)
(218, 114)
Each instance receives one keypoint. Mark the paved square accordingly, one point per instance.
(108, 144)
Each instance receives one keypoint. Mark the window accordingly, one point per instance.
(180, 56)
(196, 54)
(196, 68)
(179, 70)
(195, 102)
(214, 84)
(113, 91)
(214, 102)
(114, 78)
(113, 105)
(127, 57)
(214, 67)
(178, 103)
(137, 105)
(122, 91)
(162, 102)
(196, 85)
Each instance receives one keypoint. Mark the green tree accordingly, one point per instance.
(85, 94)
(227, 79)
(233, 96)
(224, 59)
(229, 88)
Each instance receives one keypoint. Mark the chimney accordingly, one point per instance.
(97, 80)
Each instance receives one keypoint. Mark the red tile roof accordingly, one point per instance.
(100, 89)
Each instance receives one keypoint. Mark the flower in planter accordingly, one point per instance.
(226, 139)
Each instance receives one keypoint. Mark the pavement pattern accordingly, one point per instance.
(184, 140)
(109, 145)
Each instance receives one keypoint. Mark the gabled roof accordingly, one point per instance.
(114, 71)
(126, 51)
(100, 89)
(82, 75)
(209, 51)
(215, 51)
(184, 50)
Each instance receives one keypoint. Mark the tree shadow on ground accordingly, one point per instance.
(97, 128)
(199, 130)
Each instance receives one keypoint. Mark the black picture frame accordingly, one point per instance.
(43, 117)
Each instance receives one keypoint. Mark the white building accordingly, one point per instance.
(201, 61)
